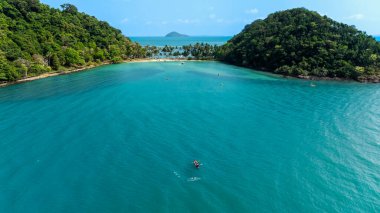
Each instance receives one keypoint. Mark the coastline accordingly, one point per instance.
(147, 60)
(365, 79)
(51, 74)
(362, 79)
(85, 68)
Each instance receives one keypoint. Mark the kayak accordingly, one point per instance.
(196, 164)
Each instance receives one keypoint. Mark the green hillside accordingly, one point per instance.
(302, 43)
(35, 39)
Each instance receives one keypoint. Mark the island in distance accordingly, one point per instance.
(176, 34)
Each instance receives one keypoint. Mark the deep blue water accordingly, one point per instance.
(180, 41)
(122, 138)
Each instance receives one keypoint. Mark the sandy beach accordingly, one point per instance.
(69, 71)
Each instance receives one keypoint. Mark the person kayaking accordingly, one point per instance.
(196, 164)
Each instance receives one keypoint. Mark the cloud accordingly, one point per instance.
(357, 16)
(220, 20)
(228, 21)
(188, 21)
(124, 21)
(212, 16)
(252, 11)
(149, 22)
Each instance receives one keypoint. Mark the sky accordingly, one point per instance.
(216, 17)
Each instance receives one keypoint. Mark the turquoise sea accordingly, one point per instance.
(377, 38)
(122, 138)
(180, 41)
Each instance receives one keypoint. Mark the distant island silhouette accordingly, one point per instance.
(176, 34)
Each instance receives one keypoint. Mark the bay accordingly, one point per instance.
(122, 138)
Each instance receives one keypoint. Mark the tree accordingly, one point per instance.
(69, 8)
(55, 64)
(99, 55)
(34, 37)
(7, 71)
(72, 57)
(301, 42)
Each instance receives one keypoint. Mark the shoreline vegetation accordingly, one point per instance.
(304, 44)
(37, 41)
(89, 67)
(150, 60)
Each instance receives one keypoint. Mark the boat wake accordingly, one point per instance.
(176, 174)
(193, 179)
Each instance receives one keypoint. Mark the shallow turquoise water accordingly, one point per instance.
(180, 41)
(121, 138)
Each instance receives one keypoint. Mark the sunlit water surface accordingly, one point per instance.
(122, 138)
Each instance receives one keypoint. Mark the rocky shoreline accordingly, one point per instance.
(364, 79)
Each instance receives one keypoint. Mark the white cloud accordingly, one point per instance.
(212, 16)
(164, 22)
(220, 20)
(188, 21)
(228, 21)
(124, 21)
(252, 11)
(357, 16)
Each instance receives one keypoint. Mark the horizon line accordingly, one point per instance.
(181, 37)
(375, 35)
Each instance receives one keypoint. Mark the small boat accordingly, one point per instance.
(196, 164)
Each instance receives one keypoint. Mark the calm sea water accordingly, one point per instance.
(122, 138)
(180, 41)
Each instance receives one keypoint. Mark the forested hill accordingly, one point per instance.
(299, 42)
(35, 38)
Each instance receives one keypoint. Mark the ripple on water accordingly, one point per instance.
(123, 138)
